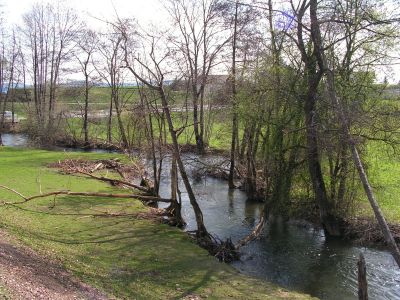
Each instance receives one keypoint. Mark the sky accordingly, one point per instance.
(147, 11)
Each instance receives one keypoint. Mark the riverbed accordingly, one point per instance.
(296, 256)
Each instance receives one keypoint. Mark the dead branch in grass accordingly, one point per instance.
(155, 214)
(87, 167)
(84, 194)
(115, 181)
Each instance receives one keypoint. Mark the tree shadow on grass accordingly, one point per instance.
(60, 237)
(99, 214)
(202, 283)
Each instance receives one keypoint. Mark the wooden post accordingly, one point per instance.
(362, 279)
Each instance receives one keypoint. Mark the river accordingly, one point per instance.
(296, 257)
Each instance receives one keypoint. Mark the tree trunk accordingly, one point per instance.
(251, 183)
(328, 220)
(120, 122)
(175, 208)
(235, 129)
(313, 77)
(2, 112)
(153, 153)
(202, 144)
(109, 124)
(245, 140)
(202, 232)
(85, 117)
(199, 141)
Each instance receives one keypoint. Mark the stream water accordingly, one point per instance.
(296, 257)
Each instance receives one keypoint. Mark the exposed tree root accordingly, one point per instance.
(174, 216)
(224, 251)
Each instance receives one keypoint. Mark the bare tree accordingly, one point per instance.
(50, 32)
(241, 19)
(111, 72)
(150, 70)
(87, 45)
(9, 75)
(235, 123)
(200, 38)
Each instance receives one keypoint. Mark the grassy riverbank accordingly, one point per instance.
(383, 166)
(127, 257)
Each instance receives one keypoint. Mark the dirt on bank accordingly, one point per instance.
(27, 275)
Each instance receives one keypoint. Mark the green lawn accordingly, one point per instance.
(128, 257)
(219, 137)
(383, 168)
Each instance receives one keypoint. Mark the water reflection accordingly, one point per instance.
(231, 198)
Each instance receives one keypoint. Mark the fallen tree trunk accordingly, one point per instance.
(254, 234)
(85, 194)
(116, 181)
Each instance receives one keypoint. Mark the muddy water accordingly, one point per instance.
(295, 256)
